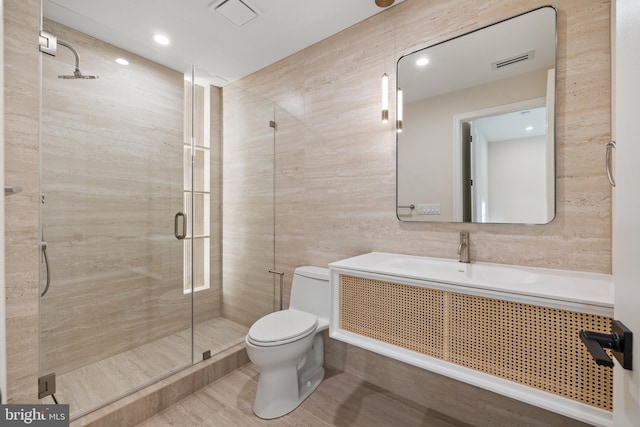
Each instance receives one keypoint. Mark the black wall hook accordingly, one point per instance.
(620, 341)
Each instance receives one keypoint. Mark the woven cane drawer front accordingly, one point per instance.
(527, 344)
(402, 315)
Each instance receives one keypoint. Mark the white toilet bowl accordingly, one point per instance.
(287, 348)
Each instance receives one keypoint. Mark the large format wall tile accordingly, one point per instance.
(247, 206)
(335, 164)
(336, 176)
(22, 109)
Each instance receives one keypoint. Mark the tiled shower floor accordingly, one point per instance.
(109, 379)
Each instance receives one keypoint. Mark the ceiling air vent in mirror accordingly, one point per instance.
(513, 60)
(239, 12)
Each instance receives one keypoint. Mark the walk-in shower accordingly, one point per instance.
(128, 303)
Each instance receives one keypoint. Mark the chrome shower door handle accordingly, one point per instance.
(176, 231)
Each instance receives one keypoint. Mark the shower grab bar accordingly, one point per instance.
(411, 206)
(184, 226)
(281, 274)
(9, 190)
(43, 245)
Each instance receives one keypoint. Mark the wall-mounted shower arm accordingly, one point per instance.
(49, 45)
(75, 53)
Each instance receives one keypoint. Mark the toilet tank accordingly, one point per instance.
(310, 291)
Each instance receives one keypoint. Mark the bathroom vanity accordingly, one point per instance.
(509, 329)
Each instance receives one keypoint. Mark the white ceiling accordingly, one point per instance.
(513, 126)
(466, 61)
(201, 36)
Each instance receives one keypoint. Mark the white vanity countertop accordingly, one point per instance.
(592, 289)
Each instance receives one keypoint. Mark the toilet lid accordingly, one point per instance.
(284, 325)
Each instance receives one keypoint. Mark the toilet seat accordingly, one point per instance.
(282, 327)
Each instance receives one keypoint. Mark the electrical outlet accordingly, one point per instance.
(428, 209)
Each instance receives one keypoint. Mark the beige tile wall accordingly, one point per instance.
(335, 181)
(247, 206)
(335, 169)
(22, 97)
(335, 176)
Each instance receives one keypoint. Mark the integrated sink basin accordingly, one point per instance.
(454, 271)
(566, 288)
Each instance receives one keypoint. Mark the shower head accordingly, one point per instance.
(76, 73)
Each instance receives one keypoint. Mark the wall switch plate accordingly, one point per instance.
(428, 209)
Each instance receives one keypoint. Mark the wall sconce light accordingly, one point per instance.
(400, 102)
(385, 98)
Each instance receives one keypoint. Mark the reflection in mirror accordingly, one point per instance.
(477, 141)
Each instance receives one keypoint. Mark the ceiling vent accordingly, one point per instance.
(239, 12)
(513, 60)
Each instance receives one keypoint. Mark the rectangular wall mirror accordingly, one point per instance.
(476, 142)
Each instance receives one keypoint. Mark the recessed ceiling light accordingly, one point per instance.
(422, 61)
(528, 128)
(122, 61)
(160, 39)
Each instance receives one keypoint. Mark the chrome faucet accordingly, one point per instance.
(463, 247)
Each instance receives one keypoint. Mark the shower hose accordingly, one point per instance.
(46, 265)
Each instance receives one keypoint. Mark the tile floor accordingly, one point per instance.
(341, 400)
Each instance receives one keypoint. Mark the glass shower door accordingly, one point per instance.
(232, 258)
(115, 315)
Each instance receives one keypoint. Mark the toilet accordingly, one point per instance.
(287, 348)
